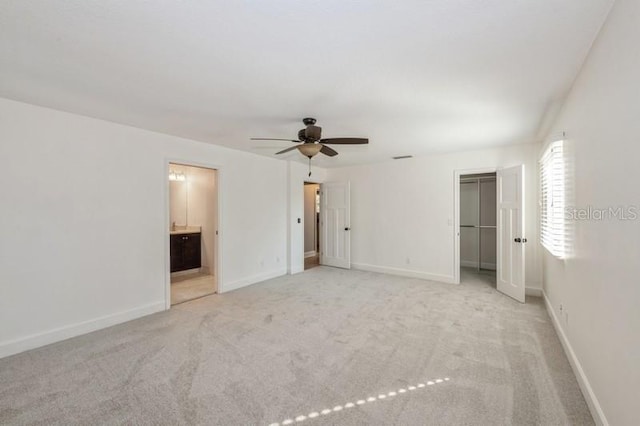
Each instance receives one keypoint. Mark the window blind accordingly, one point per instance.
(552, 199)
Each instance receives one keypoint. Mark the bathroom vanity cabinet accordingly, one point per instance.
(185, 251)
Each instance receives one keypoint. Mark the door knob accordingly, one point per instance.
(347, 229)
(518, 240)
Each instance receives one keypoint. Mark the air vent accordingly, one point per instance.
(402, 157)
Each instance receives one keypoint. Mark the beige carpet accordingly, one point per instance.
(351, 347)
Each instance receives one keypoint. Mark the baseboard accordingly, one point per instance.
(533, 291)
(583, 381)
(403, 272)
(296, 270)
(33, 341)
(309, 254)
(244, 282)
(472, 264)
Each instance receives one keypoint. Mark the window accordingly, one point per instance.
(552, 199)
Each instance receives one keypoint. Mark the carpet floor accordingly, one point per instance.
(326, 346)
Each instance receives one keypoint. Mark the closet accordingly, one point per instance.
(478, 221)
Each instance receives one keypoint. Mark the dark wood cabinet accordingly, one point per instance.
(185, 252)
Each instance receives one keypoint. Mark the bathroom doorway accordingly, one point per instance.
(193, 232)
(311, 225)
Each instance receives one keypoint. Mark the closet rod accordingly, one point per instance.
(471, 180)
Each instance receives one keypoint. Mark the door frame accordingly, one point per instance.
(456, 214)
(167, 223)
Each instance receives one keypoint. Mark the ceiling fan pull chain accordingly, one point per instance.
(309, 166)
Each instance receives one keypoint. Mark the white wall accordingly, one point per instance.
(84, 220)
(298, 173)
(310, 217)
(599, 285)
(402, 211)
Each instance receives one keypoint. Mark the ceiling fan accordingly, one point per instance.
(310, 141)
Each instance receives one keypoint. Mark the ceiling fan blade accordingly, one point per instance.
(328, 151)
(345, 141)
(274, 139)
(287, 150)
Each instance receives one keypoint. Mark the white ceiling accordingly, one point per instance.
(416, 77)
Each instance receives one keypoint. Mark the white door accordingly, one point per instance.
(335, 225)
(511, 240)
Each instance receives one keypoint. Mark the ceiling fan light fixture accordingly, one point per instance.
(311, 143)
(309, 149)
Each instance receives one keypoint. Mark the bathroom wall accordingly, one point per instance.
(310, 217)
(178, 198)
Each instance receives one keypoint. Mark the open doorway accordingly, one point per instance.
(311, 225)
(478, 230)
(193, 222)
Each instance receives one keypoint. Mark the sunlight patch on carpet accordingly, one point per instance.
(368, 400)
